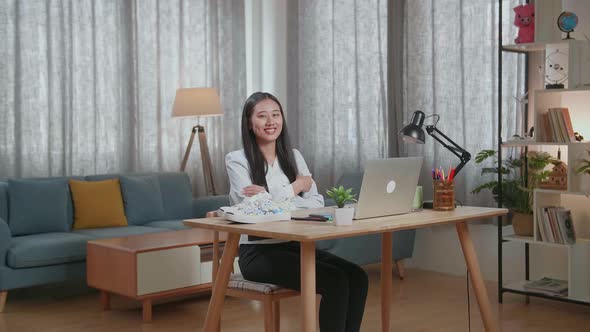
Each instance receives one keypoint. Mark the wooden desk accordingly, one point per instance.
(308, 233)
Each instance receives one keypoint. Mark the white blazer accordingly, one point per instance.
(279, 186)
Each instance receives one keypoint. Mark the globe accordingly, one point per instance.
(566, 22)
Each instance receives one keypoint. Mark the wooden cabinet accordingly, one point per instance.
(151, 266)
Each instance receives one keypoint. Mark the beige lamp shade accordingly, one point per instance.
(196, 102)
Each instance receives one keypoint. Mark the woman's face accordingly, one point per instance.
(266, 121)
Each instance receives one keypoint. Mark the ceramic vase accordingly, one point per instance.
(343, 216)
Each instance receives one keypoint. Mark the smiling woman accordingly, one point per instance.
(269, 164)
(266, 144)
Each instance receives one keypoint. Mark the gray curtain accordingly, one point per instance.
(450, 64)
(337, 82)
(87, 86)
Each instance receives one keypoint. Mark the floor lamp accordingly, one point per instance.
(198, 102)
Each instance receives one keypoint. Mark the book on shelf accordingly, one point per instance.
(549, 286)
(555, 225)
(568, 125)
(557, 126)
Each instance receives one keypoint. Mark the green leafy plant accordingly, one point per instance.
(517, 191)
(341, 195)
(584, 165)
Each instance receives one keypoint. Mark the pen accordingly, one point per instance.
(452, 175)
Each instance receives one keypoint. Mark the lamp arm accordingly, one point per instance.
(458, 151)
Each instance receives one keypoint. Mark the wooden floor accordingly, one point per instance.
(424, 301)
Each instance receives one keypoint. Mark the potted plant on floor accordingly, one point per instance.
(340, 195)
(584, 170)
(517, 190)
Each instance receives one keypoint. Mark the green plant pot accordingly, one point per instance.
(343, 216)
(522, 224)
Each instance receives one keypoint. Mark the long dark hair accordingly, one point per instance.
(256, 160)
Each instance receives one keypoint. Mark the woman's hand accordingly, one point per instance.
(302, 184)
(252, 190)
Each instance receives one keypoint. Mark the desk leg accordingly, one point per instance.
(386, 279)
(308, 305)
(221, 281)
(479, 287)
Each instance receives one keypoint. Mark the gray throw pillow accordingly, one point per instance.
(37, 206)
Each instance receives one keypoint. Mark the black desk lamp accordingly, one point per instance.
(413, 133)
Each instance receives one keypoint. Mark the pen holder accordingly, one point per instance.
(444, 196)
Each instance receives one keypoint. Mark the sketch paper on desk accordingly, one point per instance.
(229, 214)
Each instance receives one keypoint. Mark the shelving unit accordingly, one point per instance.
(536, 47)
(576, 97)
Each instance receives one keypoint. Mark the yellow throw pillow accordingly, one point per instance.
(97, 204)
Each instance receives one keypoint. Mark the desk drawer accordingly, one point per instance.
(168, 269)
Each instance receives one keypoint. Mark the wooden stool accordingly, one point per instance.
(270, 295)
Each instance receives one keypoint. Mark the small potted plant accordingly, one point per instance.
(517, 190)
(340, 195)
(584, 170)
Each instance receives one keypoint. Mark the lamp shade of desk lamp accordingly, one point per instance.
(198, 102)
(414, 133)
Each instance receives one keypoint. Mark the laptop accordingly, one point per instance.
(388, 187)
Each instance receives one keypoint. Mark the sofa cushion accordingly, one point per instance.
(37, 206)
(46, 249)
(4, 200)
(202, 205)
(175, 188)
(110, 232)
(5, 239)
(237, 281)
(176, 195)
(142, 198)
(97, 204)
(168, 224)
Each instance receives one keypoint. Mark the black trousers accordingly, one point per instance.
(343, 285)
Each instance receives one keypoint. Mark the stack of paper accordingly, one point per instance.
(548, 286)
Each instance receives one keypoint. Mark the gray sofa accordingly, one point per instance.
(39, 246)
